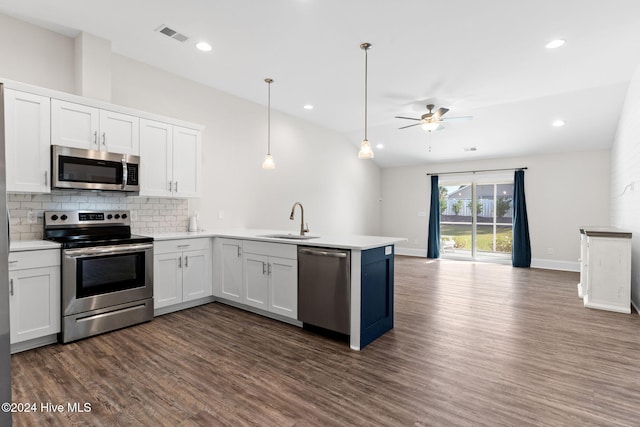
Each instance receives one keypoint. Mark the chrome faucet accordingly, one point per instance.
(303, 229)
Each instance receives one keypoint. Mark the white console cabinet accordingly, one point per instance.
(605, 268)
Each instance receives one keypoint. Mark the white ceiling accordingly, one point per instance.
(480, 58)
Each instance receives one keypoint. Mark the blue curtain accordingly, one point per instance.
(521, 249)
(433, 242)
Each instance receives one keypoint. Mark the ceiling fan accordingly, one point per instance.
(433, 120)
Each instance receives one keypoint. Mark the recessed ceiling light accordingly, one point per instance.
(308, 107)
(558, 123)
(379, 146)
(203, 46)
(554, 44)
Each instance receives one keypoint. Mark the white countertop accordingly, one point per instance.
(32, 245)
(358, 242)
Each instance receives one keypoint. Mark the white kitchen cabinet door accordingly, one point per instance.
(119, 133)
(186, 162)
(156, 158)
(167, 279)
(74, 125)
(27, 145)
(283, 286)
(256, 280)
(231, 270)
(196, 281)
(34, 303)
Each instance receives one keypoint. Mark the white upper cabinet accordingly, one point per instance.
(186, 161)
(119, 133)
(27, 130)
(170, 160)
(156, 158)
(80, 126)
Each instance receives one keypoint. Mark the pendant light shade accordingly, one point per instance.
(268, 162)
(365, 148)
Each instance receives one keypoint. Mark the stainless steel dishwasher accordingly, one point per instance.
(324, 287)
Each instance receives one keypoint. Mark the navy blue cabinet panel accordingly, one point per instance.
(376, 311)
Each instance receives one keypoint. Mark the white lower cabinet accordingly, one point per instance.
(271, 277)
(34, 294)
(228, 284)
(181, 271)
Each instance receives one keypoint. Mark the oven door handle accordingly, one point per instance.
(107, 250)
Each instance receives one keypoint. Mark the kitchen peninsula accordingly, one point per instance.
(242, 254)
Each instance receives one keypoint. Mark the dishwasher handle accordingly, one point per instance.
(324, 253)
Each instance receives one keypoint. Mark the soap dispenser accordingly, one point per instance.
(193, 222)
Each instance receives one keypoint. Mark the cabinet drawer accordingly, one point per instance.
(167, 246)
(34, 259)
(282, 250)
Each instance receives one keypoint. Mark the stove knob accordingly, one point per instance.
(109, 216)
(63, 217)
(117, 216)
(124, 216)
(54, 217)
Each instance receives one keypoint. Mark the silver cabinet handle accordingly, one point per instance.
(104, 139)
(95, 138)
(180, 262)
(239, 253)
(269, 269)
(170, 185)
(264, 268)
(183, 246)
(176, 186)
(186, 261)
(11, 286)
(46, 178)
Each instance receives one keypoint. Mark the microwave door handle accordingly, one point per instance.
(125, 173)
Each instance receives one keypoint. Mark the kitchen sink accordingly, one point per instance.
(289, 236)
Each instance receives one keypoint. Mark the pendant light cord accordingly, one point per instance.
(269, 81)
(366, 47)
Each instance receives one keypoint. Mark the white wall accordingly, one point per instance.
(313, 165)
(625, 178)
(563, 192)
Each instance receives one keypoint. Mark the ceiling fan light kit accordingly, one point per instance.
(268, 162)
(432, 120)
(365, 148)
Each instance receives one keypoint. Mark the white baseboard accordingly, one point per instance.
(548, 264)
(419, 252)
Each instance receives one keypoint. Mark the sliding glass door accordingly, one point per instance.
(476, 218)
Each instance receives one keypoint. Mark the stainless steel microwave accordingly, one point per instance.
(81, 169)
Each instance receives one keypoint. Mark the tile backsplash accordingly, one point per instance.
(149, 215)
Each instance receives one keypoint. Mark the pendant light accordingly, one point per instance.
(268, 162)
(365, 148)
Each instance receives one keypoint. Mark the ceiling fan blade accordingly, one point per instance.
(440, 112)
(457, 119)
(415, 124)
(408, 118)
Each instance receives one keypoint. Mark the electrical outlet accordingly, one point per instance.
(550, 251)
(32, 217)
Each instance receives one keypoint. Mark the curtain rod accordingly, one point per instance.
(483, 170)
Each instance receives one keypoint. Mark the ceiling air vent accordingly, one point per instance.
(170, 32)
(470, 149)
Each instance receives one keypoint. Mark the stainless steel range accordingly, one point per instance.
(107, 273)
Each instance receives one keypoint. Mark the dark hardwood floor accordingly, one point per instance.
(473, 344)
